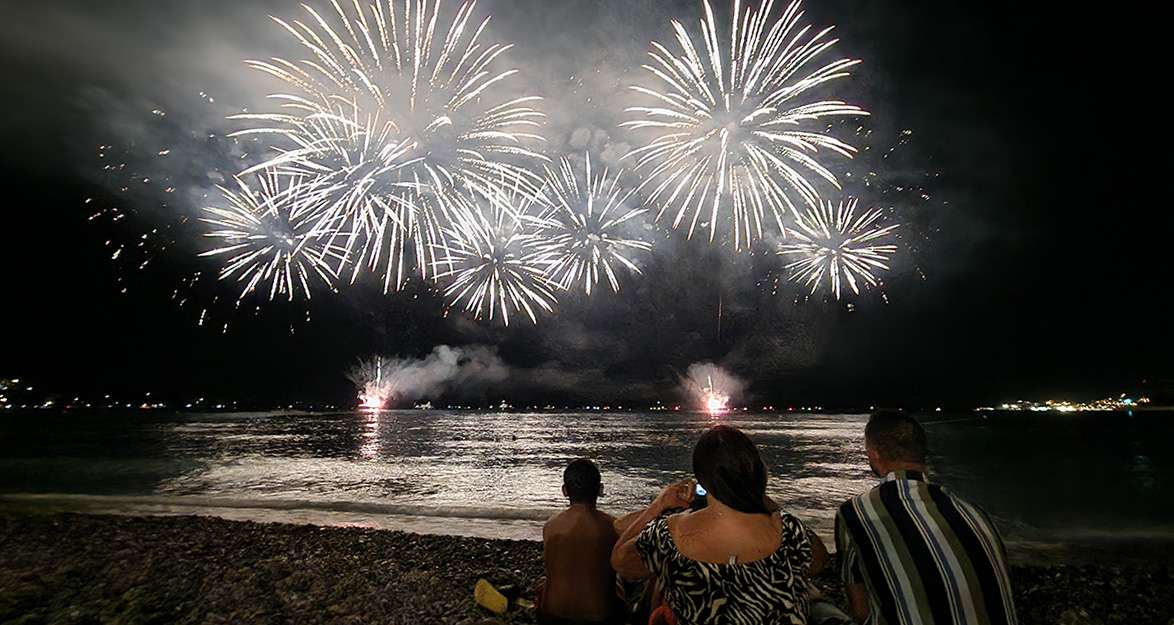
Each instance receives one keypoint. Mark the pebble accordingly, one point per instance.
(1078, 616)
(72, 568)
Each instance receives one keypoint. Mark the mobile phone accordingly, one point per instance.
(699, 500)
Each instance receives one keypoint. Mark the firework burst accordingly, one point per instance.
(374, 386)
(390, 112)
(267, 235)
(495, 259)
(716, 402)
(583, 227)
(739, 128)
(841, 244)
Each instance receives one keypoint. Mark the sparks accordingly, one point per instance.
(739, 128)
(836, 242)
(389, 112)
(372, 401)
(496, 262)
(267, 234)
(585, 226)
(715, 401)
(375, 389)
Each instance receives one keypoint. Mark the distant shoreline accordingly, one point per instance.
(313, 408)
(58, 567)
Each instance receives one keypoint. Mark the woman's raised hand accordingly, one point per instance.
(676, 495)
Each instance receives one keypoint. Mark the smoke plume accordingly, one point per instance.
(383, 379)
(711, 387)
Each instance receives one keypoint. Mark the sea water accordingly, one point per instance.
(498, 474)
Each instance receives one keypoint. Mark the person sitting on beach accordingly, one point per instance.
(911, 551)
(737, 560)
(580, 585)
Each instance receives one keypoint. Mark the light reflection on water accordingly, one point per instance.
(1030, 471)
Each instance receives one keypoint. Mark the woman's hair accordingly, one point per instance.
(727, 464)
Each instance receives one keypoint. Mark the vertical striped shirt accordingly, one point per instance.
(925, 556)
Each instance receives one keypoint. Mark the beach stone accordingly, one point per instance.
(1078, 616)
(72, 569)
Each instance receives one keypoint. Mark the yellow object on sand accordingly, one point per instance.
(487, 597)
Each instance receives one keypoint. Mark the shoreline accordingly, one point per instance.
(1068, 547)
(85, 568)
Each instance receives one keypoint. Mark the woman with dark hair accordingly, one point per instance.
(737, 560)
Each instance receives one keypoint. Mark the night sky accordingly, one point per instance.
(1039, 267)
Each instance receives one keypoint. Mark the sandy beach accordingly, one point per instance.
(72, 568)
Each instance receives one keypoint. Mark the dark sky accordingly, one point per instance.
(1040, 266)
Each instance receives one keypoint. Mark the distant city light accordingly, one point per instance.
(1108, 404)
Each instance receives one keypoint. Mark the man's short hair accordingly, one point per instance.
(896, 436)
(581, 479)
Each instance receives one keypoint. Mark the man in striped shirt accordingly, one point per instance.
(912, 553)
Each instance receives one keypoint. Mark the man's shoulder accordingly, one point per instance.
(973, 511)
(877, 503)
(937, 495)
(556, 521)
(856, 501)
(605, 517)
(606, 523)
(571, 516)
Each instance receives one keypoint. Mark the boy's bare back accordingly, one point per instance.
(580, 583)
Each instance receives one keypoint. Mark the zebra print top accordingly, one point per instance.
(771, 590)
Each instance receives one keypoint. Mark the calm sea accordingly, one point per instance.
(1043, 476)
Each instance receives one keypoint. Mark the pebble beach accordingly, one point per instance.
(82, 569)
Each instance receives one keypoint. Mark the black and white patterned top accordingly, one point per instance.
(770, 590)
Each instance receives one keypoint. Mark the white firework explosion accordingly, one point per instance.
(494, 259)
(387, 110)
(371, 377)
(840, 244)
(740, 127)
(583, 228)
(267, 234)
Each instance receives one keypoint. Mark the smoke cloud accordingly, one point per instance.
(710, 386)
(461, 369)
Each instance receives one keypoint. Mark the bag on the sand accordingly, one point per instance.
(497, 590)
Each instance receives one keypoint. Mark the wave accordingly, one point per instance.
(196, 502)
